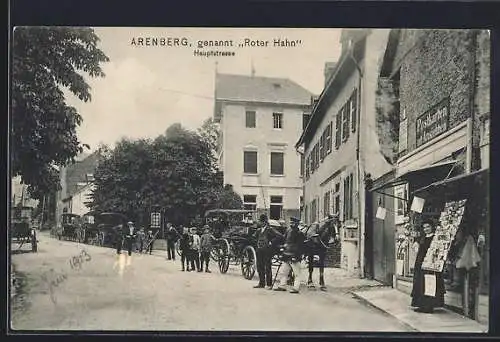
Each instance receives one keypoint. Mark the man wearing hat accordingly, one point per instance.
(129, 236)
(265, 235)
(205, 247)
(293, 249)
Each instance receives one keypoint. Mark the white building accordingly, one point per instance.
(260, 120)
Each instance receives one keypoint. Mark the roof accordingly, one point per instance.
(76, 173)
(260, 89)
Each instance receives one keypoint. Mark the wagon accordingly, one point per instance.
(109, 227)
(21, 230)
(70, 227)
(237, 242)
(90, 233)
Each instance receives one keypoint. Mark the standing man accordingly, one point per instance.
(265, 236)
(172, 237)
(292, 254)
(206, 248)
(130, 236)
(195, 250)
(150, 240)
(184, 246)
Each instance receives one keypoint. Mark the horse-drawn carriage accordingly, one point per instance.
(237, 243)
(108, 228)
(71, 228)
(21, 229)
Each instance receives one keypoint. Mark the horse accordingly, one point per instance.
(318, 235)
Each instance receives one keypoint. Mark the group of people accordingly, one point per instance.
(130, 237)
(291, 256)
(195, 245)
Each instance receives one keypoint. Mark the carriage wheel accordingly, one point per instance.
(248, 262)
(34, 244)
(223, 255)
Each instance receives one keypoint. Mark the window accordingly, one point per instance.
(278, 120)
(354, 109)
(155, 219)
(326, 204)
(250, 202)
(348, 197)
(313, 211)
(250, 119)
(276, 207)
(305, 120)
(345, 121)
(250, 162)
(336, 199)
(322, 146)
(306, 214)
(316, 157)
(400, 203)
(338, 131)
(277, 163)
(328, 139)
(301, 165)
(308, 167)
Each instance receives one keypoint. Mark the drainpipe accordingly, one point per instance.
(358, 160)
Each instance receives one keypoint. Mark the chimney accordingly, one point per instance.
(328, 71)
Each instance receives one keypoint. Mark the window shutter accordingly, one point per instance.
(328, 142)
(348, 121)
(322, 146)
(354, 109)
(338, 130)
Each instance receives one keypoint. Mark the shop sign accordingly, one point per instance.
(432, 123)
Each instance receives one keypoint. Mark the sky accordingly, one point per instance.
(148, 88)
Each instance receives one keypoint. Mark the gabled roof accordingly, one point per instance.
(260, 89)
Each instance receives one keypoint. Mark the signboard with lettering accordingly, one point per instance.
(432, 123)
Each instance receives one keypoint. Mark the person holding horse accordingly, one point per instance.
(292, 255)
(265, 236)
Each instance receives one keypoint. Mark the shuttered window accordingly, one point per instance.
(328, 139)
(277, 163)
(354, 110)
(346, 113)
(338, 129)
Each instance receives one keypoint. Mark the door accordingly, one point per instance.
(383, 240)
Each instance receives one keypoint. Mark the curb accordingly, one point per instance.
(370, 304)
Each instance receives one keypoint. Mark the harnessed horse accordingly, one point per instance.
(318, 236)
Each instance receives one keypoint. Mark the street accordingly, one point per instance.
(147, 292)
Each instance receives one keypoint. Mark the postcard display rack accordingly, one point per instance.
(449, 221)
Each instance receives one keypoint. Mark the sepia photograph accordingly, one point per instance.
(194, 179)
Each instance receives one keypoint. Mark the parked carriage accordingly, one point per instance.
(21, 229)
(237, 243)
(90, 233)
(71, 228)
(109, 226)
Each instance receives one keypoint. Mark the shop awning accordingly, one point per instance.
(476, 179)
(429, 174)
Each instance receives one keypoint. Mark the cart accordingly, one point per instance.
(21, 230)
(237, 243)
(109, 226)
(70, 227)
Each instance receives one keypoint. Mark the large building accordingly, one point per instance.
(260, 119)
(435, 88)
(340, 144)
(76, 185)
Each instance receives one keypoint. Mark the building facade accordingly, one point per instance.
(340, 146)
(76, 186)
(433, 92)
(260, 119)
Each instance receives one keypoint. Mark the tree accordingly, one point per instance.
(228, 199)
(210, 133)
(43, 127)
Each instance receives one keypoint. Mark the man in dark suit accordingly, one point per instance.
(265, 236)
(128, 235)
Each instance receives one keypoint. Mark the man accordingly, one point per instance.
(141, 236)
(129, 235)
(184, 246)
(265, 236)
(172, 237)
(292, 254)
(151, 241)
(206, 248)
(195, 250)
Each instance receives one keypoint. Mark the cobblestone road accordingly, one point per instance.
(150, 293)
